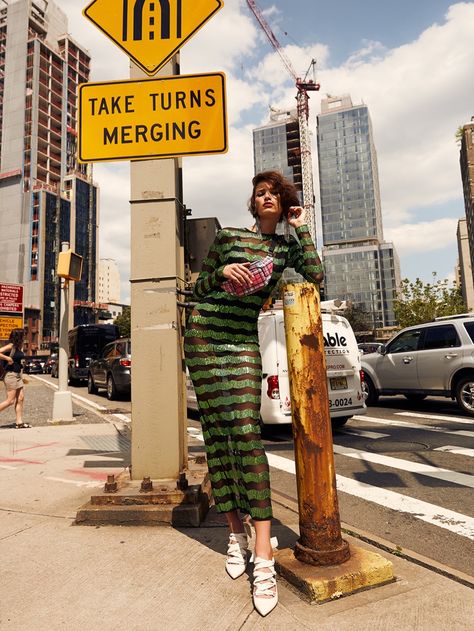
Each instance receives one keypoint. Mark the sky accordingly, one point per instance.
(410, 62)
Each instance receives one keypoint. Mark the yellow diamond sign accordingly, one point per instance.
(151, 31)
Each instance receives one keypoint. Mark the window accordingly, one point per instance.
(405, 342)
(469, 326)
(444, 336)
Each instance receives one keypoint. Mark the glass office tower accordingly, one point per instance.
(359, 265)
(46, 196)
(276, 146)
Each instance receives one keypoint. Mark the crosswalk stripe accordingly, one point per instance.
(456, 450)
(436, 417)
(430, 513)
(457, 523)
(362, 433)
(407, 465)
(426, 428)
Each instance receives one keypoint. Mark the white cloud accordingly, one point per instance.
(425, 236)
(418, 94)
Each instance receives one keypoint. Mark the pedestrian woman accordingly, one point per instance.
(12, 356)
(224, 362)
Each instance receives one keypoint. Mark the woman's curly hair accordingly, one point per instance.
(16, 337)
(285, 189)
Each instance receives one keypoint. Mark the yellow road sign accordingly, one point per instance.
(7, 323)
(152, 118)
(151, 31)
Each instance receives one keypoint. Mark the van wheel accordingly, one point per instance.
(111, 388)
(91, 387)
(369, 391)
(339, 422)
(465, 394)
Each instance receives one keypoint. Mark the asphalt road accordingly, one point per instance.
(405, 471)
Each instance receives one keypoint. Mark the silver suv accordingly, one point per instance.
(435, 358)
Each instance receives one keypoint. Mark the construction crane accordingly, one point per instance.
(303, 86)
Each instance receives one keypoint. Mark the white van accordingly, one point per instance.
(342, 364)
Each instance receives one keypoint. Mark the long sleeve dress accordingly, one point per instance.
(224, 362)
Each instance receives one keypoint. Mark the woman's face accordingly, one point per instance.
(267, 204)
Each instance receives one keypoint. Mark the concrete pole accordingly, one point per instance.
(159, 448)
(62, 403)
(320, 540)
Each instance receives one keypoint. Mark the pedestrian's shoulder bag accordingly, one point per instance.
(261, 270)
(3, 369)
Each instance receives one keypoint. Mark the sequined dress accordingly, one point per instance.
(223, 358)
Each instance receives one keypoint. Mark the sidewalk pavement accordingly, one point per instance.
(56, 575)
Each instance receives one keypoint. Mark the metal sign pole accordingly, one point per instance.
(62, 403)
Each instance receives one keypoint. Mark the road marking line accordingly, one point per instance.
(101, 408)
(450, 520)
(435, 417)
(426, 428)
(407, 465)
(453, 449)
(123, 417)
(361, 432)
(36, 446)
(430, 513)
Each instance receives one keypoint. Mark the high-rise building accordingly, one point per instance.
(466, 161)
(46, 197)
(276, 146)
(359, 265)
(464, 277)
(109, 281)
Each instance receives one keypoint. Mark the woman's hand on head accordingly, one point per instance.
(296, 216)
(239, 273)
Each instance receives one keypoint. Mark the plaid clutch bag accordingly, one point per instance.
(261, 270)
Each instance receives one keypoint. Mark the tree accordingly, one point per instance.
(359, 319)
(123, 322)
(420, 302)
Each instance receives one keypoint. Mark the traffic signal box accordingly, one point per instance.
(69, 265)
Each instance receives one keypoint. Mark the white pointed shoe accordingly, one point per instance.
(237, 555)
(265, 592)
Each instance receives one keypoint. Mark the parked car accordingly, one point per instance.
(369, 347)
(343, 368)
(33, 365)
(112, 370)
(435, 358)
(48, 366)
(86, 343)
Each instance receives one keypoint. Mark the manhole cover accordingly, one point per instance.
(382, 445)
(107, 444)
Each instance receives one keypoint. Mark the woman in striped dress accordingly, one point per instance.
(223, 358)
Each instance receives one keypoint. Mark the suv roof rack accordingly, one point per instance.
(455, 316)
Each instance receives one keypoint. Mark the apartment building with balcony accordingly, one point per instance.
(46, 196)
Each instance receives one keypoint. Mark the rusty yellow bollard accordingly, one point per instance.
(320, 540)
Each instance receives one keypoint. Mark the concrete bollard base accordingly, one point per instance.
(163, 505)
(319, 584)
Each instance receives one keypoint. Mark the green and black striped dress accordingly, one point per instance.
(223, 358)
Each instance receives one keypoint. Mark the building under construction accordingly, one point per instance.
(46, 197)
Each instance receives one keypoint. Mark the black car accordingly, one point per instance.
(33, 365)
(112, 370)
(86, 343)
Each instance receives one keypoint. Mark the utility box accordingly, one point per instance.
(200, 235)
